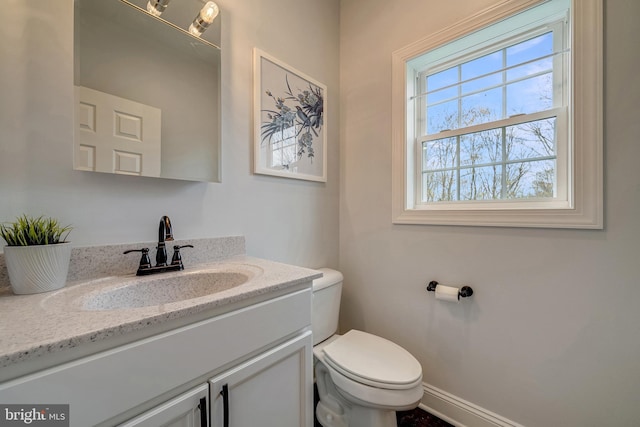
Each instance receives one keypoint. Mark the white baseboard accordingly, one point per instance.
(459, 412)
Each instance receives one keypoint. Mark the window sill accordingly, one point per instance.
(536, 218)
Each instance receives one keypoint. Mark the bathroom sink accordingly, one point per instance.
(158, 290)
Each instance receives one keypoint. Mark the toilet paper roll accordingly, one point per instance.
(447, 293)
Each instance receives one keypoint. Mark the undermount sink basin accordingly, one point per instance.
(158, 290)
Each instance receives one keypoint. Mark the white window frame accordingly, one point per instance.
(583, 205)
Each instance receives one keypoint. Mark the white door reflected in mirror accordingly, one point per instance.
(116, 135)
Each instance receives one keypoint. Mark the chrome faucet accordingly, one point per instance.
(165, 234)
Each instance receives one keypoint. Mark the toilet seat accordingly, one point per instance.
(373, 361)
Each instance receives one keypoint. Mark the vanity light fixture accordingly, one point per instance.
(156, 7)
(204, 19)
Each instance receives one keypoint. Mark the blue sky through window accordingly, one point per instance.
(481, 90)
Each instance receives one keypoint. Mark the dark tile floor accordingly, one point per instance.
(415, 418)
(420, 418)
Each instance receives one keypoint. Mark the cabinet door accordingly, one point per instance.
(187, 410)
(274, 389)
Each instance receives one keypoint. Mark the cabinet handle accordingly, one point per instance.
(225, 405)
(203, 412)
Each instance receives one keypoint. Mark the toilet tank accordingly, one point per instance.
(325, 307)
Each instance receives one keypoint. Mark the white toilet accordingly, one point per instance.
(362, 379)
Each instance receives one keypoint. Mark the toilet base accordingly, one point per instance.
(356, 417)
(336, 410)
(328, 417)
(368, 417)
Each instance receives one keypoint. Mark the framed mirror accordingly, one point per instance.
(147, 93)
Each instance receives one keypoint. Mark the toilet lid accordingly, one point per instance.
(373, 360)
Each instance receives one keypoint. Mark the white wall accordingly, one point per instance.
(282, 219)
(551, 337)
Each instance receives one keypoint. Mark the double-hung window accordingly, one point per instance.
(491, 131)
(489, 123)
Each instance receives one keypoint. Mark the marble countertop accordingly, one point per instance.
(33, 326)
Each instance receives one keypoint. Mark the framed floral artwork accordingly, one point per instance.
(290, 135)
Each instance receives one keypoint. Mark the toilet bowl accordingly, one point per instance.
(362, 379)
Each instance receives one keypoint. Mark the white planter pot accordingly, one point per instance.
(40, 268)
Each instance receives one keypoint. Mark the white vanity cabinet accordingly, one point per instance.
(270, 390)
(262, 351)
(190, 409)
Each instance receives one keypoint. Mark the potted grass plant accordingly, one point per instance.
(37, 254)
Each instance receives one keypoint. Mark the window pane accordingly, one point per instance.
(531, 140)
(482, 107)
(481, 147)
(442, 79)
(482, 83)
(484, 183)
(439, 154)
(530, 49)
(483, 65)
(442, 116)
(539, 66)
(439, 186)
(442, 94)
(530, 95)
(531, 179)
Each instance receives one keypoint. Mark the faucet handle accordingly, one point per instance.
(145, 262)
(177, 257)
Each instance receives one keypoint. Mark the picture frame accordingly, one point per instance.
(290, 129)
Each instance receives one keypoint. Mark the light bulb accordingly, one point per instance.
(204, 19)
(156, 7)
(193, 30)
(209, 12)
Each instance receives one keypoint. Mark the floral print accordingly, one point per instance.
(302, 111)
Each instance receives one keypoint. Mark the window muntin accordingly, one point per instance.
(488, 121)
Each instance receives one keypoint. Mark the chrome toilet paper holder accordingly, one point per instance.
(464, 292)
